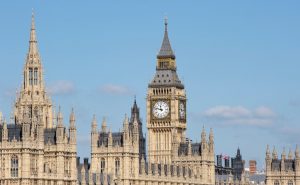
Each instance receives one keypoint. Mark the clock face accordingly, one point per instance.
(160, 109)
(181, 110)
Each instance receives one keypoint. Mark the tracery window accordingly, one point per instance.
(290, 182)
(35, 76)
(117, 166)
(276, 182)
(30, 76)
(14, 166)
(102, 165)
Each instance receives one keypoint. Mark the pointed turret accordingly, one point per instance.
(60, 136)
(204, 148)
(103, 125)
(274, 153)
(282, 165)
(211, 136)
(238, 153)
(72, 119)
(290, 154)
(94, 124)
(59, 118)
(268, 160)
(126, 128)
(72, 128)
(203, 135)
(211, 142)
(94, 133)
(166, 49)
(283, 154)
(135, 112)
(297, 153)
(125, 124)
(268, 155)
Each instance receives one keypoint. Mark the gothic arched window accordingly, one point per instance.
(14, 166)
(290, 182)
(117, 166)
(102, 165)
(35, 76)
(30, 76)
(276, 182)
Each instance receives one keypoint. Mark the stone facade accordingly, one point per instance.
(120, 157)
(35, 149)
(284, 171)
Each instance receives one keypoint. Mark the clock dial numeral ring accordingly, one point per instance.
(160, 109)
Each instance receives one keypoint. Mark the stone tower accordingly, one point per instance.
(32, 149)
(166, 106)
(32, 98)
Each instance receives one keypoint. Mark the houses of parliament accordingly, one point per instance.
(37, 147)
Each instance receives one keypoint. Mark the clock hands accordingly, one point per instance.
(159, 109)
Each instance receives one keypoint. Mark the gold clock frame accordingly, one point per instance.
(153, 102)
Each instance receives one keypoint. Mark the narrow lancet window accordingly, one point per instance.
(102, 165)
(30, 76)
(14, 166)
(35, 76)
(117, 166)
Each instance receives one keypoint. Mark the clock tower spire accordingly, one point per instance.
(166, 105)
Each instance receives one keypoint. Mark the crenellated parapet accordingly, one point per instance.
(283, 170)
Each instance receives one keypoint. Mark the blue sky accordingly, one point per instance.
(239, 61)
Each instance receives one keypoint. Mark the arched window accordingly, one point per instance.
(30, 76)
(117, 166)
(14, 166)
(102, 165)
(290, 182)
(35, 76)
(276, 182)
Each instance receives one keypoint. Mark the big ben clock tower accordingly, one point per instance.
(166, 106)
